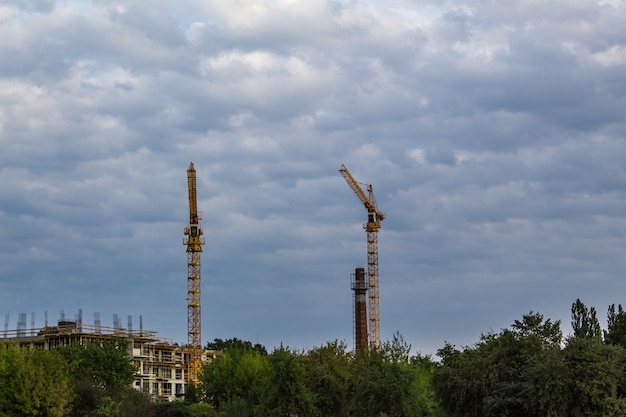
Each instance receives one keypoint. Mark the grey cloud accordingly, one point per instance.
(492, 134)
(40, 6)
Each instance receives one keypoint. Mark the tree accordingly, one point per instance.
(466, 377)
(533, 328)
(597, 377)
(616, 327)
(183, 409)
(548, 385)
(586, 377)
(492, 377)
(33, 382)
(137, 404)
(384, 382)
(422, 386)
(233, 382)
(285, 392)
(397, 350)
(102, 373)
(585, 322)
(525, 371)
(326, 377)
(235, 344)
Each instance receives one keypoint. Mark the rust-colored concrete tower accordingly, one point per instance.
(359, 286)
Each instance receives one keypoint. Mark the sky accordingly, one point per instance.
(493, 133)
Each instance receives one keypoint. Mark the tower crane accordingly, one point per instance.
(194, 242)
(374, 217)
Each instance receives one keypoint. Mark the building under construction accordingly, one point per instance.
(161, 366)
(164, 369)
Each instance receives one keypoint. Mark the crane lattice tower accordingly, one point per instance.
(194, 242)
(374, 217)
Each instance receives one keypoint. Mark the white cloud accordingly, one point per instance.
(611, 57)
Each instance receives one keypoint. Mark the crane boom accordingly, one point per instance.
(194, 243)
(374, 216)
(369, 201)
(355, 186)
(193, 202)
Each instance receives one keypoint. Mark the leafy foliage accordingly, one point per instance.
(525, 370)
(102, 373)
(235, 344)
(489, 379)
(325, 381)
(183, 409)
(33, 382)
(616, 326)
(285, 393)
(387, 381)
(585, 322)
(596, 378)
(233, 381)
(326, 378)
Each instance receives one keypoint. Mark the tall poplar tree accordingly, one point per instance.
(585, 322)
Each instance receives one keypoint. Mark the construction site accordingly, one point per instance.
(165, 369)
(161, 366)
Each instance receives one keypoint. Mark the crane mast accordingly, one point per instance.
(374, 217)
(194, 242)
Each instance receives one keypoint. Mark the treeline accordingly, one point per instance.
(324, 381)
(529, 369)
(245, 380)
(81, 380)
(78, 380)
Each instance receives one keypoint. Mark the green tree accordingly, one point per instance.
(491, 378)
(597, 377)
(616, 326)
(326, 377)
(233, 382)
(585, 378)
(397, 350)
(548, 379)
(183, 409)
(466, 377)
(137, 404)
(102, 374)
(422, 390)
(33, 382)
(585, 322)
(383, 382)
(286, 393)
(533, 328)
(235, 344)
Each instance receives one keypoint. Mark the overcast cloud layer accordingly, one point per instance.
(493, 133)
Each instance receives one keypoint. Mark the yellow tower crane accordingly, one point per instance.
(374, 216)
(194, 243)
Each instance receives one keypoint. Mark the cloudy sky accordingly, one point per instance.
(494, 134)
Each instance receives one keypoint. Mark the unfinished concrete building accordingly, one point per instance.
(161, 366)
